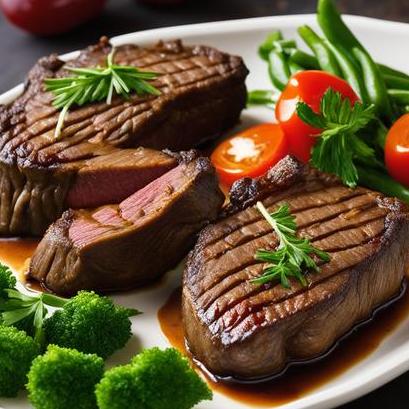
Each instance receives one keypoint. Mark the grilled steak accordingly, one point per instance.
(126, 245)
(202, 94)
(247, 331)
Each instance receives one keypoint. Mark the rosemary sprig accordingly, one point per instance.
(88, 85)
(292, 257)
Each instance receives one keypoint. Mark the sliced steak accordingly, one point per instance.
(202, 94)
(247, 331)
(126, 245)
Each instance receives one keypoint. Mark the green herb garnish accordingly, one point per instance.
(96, 84)
(292, 257)
(338, 144)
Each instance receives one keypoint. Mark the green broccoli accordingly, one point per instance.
(155, 379)
(91, 324)
(64, 379)
(17, 353)
(7, 279)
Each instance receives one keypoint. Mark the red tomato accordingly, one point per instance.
(397, 150)
(250, 153)
(45, 17)
(309, 87)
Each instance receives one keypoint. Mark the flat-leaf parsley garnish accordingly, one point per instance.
(338, 145)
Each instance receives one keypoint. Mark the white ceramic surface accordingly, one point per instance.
(388, 43)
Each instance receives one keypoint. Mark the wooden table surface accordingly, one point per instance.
(19, 51)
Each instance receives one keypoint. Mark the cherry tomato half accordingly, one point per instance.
(250, 153)
(397, 150)
(46, 17)
(309, 87)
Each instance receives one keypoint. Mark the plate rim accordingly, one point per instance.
(393, 366)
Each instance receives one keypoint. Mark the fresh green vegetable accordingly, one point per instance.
(262, 97)
(64, 379)
(382, 182)
(96, 84)
(7, 280)
(91, 324)
(17, 353)
(303, 60)
(278, 68)
(292, 258)
(396, 82)
(359, 69)
(338, 145)
(155, 379)
(325, 58)
(400, 96)
(27, 312)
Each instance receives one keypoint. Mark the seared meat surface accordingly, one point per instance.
(123, 246)
(202, 94)
(240, 329)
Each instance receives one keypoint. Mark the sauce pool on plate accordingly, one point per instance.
(298, 380)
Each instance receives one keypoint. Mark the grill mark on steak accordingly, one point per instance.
(197, 75)
(239, 329)
(250, 298)
(253, 215)
(258, 227)
(263, 241)
(209, 297)
(203, 93)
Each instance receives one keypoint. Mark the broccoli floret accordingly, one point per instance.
(64, 379)
(90, 324)
(155, 379)
(7, 279)
(17, 351)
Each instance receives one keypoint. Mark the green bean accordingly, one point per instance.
(268, 44)
(382, 182)
(339, 35)
(396, 82)
(278, 69)
(406, 108)
(350, 72)
(401, 97)
(262, 97)
(385, 70)
(285, 45)
(374, 84)
(294, 67)
(325, 57)
(304, 60)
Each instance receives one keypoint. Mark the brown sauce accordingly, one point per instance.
(297, 381)
(16, 254)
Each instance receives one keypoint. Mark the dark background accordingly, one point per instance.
(18, 52)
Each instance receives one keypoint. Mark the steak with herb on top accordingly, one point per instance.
(126, 245)
(202, 94)
(238, 329)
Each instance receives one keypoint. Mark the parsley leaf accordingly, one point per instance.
(339, 144)
(292, 258)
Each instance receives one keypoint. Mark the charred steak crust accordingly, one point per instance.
(202, 94)
(235, 328)
(127, 245)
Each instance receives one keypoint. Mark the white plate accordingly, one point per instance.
(387, 42)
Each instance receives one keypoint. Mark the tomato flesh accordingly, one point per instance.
(250, 153)
(46, 17)
(397, 150)
(308, 87)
